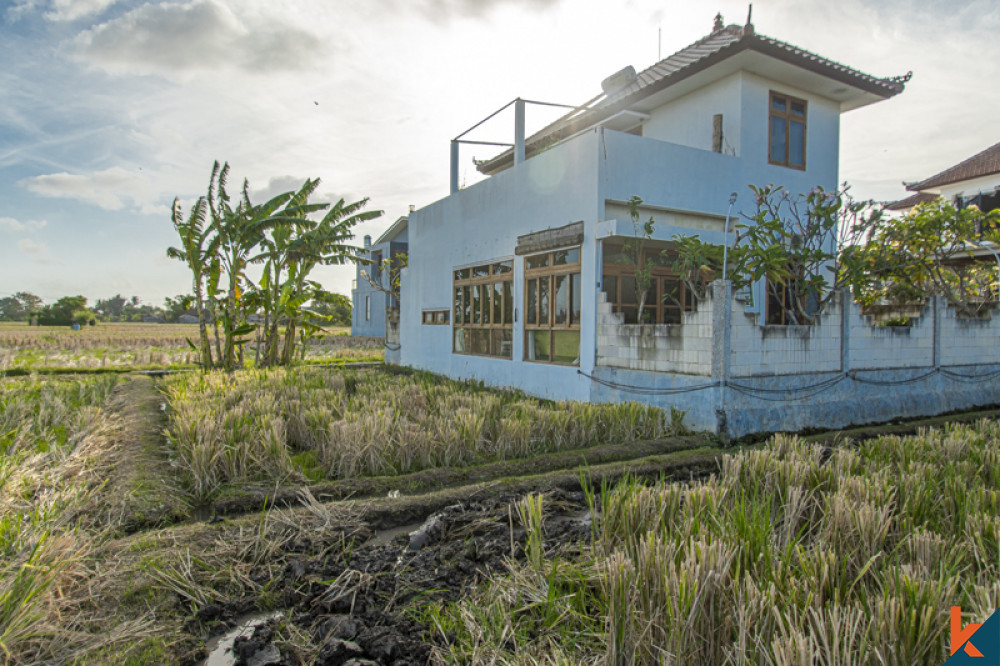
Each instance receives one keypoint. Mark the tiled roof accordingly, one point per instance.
(721, 40)
(709, 50)
(985, 163)
(911, 201)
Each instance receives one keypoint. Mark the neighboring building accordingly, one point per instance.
(520, 280)
(187, 319)
(369, 305)
(975, 181)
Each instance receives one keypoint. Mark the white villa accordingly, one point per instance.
(517, 280)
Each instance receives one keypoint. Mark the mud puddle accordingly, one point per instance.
(220, 648)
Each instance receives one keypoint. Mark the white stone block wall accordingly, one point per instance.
(681, 348)
(874, 347)
(783, 350)
(968, 341)
(756, 350)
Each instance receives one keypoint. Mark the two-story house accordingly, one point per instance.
(973, 181)
(506, 277)
(369, 304)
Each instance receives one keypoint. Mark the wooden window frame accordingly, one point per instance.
(549, 273)
(788, 116)
(657, 308)
(490, 276)
(435, 317)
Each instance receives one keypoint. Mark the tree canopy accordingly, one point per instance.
(287, 237)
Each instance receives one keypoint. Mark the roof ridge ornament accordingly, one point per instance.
(719, 24)
(748, 28)
(905, 78)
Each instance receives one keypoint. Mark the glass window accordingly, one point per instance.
(611, 287)
(538, 345)
(666, 298)
(566, 347)
(508, 303)
(553, 298)
(497, 289)
(502, 267)
(480, 325)
(564, 257)
(778, 136)
(574, 310)
(536, 261)
(787, 131)
(502, 342)
(543, 301)
(796, 143)
(531, 304)
(562, 300)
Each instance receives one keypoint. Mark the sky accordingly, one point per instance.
(109, 109)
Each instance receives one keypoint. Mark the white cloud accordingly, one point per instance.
(69, 10)
(177, 40)
(110, 189)
(59, 10)
(28, 246)
(10, 224)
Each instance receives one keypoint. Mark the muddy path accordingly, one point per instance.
(142, 489)
(355, 607)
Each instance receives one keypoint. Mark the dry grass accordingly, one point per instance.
(785, 557)
(273, 426)
(53, 463)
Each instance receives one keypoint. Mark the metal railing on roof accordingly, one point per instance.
(518, 144)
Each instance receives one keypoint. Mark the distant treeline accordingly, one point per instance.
(27, 307)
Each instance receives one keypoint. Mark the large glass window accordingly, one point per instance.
(483, 310)
(552, 307)
(667, 298)
(787, 131)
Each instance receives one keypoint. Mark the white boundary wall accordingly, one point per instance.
(735, 376)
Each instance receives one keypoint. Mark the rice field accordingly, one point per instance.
(135, 345)
(52, 434)
(289, 424)
(792, 554)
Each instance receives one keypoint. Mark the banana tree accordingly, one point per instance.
(195, 251)
(321, 243)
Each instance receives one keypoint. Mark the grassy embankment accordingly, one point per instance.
(292, 426)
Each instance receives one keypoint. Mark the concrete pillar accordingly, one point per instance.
(938, 306)
(518, 131)
(722, 313)
(454, 167)
(846, 300)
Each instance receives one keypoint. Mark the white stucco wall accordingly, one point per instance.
(822, 138)
(687, 121)
(481, 224)
(968, 188)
